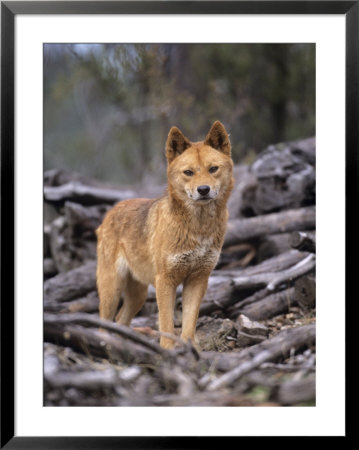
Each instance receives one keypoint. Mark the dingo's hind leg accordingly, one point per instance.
(111, 281)
(135, 295)
(110, 286)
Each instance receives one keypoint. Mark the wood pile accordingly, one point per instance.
(256, 328)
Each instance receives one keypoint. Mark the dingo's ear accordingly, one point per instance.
(176, 144)
(218, 138)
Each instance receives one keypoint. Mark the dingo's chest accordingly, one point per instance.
(202, 254)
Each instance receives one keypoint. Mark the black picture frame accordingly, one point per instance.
(9, 10)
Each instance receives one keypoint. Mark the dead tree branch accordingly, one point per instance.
(242, 230)
(122, 330)
(86, 195)
(273, 280)
(305, 292)
(271, 350)
(71, 285)
(270, 306)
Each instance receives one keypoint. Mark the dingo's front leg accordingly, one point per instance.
(166, 296)
(193, 292)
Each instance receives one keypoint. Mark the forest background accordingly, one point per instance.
(108, 107)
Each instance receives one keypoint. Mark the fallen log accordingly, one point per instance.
(302, 241)
(218, 295)
(258, 295)
(58, 177)
(86, 195)
(122, 330)
(71, 237)
(70, 251)
(273, 264)
(89, 380)
(245, 180)
(226, 293)
(83, 221)
(272, 245)
(305, 292)
(262, 293)
(294, 391)
(58, 245)
(71, 285)
(274, 279)
(95, 343)
(242, 230)
(88, 304)
(276, 348)
(285, 178)
(200, 399)
(236, 256)
(50, 269)
(224, 362)
(46, 241)
(76, 285)
(270, 306)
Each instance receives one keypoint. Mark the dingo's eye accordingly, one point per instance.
(189, 173)
(213, 169)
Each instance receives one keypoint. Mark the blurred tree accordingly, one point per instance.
(108, 107)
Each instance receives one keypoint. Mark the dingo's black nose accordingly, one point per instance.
(203, 190)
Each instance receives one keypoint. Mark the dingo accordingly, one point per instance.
(170, 240)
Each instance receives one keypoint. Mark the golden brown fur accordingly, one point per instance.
(170, 240)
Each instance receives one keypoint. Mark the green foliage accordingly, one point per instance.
(259, 393)
(108, 107)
